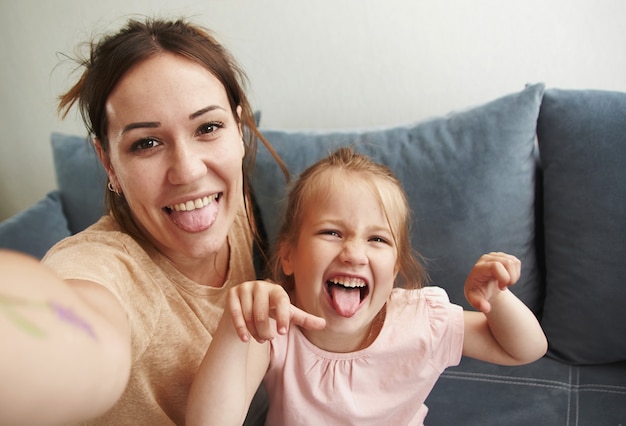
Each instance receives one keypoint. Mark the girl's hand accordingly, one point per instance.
(253, 303)
(492, 274)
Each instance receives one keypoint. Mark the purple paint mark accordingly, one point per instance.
(67, 315)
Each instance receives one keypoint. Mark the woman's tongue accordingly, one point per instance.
(195, 220)
(345, 301)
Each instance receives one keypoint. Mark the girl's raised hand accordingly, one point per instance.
(492, 274)
(253, 303)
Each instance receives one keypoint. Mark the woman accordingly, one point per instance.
(114, 325)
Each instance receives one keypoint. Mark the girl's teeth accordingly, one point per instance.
(198, 203)
(349, 282)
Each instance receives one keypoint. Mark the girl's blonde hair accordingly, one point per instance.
(314, 183)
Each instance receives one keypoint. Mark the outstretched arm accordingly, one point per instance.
(65, 352)
(505, 331)
(235, 363)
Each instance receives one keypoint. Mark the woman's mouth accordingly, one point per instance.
(190, 205)
(195, 215)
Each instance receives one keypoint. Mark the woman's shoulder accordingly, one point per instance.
(106, 229)
(102, 247)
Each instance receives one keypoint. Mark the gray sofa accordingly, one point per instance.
(539, 173)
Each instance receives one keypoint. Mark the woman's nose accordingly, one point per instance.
(186, 165)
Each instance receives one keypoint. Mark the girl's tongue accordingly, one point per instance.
(195, 220)
(346, 301)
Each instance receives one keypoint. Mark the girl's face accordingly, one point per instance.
(176, 154)
(344, 263)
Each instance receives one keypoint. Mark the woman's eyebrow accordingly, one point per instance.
(204, 111)
(155, 124)
(141, 125)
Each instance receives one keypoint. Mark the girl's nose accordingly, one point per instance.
(186, 166)
(354, 253)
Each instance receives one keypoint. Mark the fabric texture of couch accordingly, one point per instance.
(540, 174)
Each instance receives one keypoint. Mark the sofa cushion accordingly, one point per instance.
(36, 229)
(81, 180)
(545, 392)
(582, 140)
(470, 178)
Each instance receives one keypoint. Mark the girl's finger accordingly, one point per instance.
(306, 320)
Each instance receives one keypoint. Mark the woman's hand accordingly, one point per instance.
(253, 303)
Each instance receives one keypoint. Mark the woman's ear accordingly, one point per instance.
(105, 159)
(243, 144)
(239, 111)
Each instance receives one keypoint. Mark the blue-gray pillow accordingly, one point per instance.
(36, 229)
(582, 141)
(470, 178)
(81, 180)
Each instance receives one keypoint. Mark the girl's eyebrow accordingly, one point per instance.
(337, 223)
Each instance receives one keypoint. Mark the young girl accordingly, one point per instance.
(375, 351)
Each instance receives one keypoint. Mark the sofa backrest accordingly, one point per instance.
(582, 143)
(81, 180)
(471, 178)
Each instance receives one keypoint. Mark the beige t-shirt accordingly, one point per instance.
(172, 318)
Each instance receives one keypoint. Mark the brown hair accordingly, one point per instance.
(114, 55)
(313, 183)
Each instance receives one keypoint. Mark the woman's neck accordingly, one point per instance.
(209, 271)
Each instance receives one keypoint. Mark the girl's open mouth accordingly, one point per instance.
(346, 294)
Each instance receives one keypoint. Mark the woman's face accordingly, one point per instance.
(176, 154)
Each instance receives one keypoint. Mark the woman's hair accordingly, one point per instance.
(314, 183)
(114, 55)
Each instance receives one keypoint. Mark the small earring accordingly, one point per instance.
(111, 188)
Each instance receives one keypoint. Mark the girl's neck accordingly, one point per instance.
(348, 343)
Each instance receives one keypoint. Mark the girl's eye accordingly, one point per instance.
(144, 144)
(330, 232)
(209, 128)
(379, 240)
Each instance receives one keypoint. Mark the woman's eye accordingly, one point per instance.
(144, 144)
(209, 128)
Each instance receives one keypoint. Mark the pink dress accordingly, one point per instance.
(383, 384)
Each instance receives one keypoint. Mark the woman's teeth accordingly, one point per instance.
(198, 203)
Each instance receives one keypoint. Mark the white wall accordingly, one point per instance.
(314, 63)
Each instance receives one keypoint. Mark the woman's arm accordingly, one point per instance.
(505, 331)
(65, 352)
